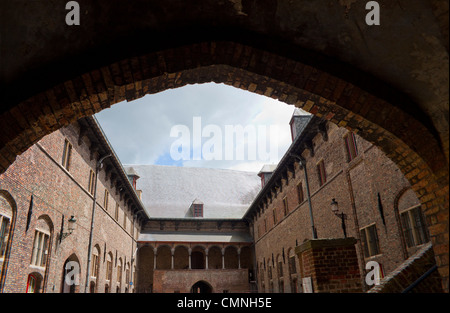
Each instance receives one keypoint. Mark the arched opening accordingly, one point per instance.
(266, 55)
(214, 258)
(201, 287)
(231, 257)
(34, 283)
(163, 258)
(145, 266)
(70, 280)
(198, 258)
(181, 257)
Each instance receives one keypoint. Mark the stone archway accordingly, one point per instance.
(201, 287)
(267, 47)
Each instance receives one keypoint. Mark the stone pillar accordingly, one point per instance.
(330, 264)
(223, 258)
(155, 252)
(172, 266)
(239, 258)
(190, 258)
(206, 258)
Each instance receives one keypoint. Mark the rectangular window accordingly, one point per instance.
(124, 220)
(300, 193)
(280, 269)
(274, 213)
(413, 227)
(40, 249)
(285, 206)
(4, 231)
(321, 173)
(369, 241)
(67, 153)
(108, 270)
(91, 182)
(265, 225)
(292, 267)
(198, 210)
(116, 214)
(94, 266)
(350, 145)
(106, 200)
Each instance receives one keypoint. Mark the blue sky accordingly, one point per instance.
(139, 131)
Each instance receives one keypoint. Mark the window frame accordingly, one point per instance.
(368, 248)
(321, 172)
(67, 154)
(350, 146)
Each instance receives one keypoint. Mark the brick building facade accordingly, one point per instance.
(51, 182)
(327, 164)
(325, 168)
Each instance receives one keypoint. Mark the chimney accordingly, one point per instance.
(298, 122)
(132, 176)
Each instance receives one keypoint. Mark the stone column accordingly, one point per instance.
(206, 258)
(155, 252)
(239, 258)
(190, 258)
(329, 265)
(172, 266)
(223, 258)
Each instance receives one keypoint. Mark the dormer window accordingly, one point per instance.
(197, 208)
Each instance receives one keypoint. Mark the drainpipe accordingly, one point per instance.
(99, 164)
(302, 163)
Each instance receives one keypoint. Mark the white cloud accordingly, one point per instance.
(139, 131)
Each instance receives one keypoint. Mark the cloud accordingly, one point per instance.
(139, 131)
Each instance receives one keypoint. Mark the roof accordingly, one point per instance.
(268, 168)
(196, 237)
(169, 191)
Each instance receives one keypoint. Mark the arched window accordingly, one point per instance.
(31, 284)
(7, 215)
(119, 274)
(108, 267)
(41, 243)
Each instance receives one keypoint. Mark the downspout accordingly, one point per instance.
(94, 203)
(302, 163)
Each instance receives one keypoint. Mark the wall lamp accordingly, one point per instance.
(70, 228)
(341, 215)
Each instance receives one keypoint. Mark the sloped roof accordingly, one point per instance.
(196, 237)
(168, 191)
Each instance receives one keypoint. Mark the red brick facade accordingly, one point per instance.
(58, 194)
(354, 184)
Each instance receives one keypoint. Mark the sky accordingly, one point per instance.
(198, 126)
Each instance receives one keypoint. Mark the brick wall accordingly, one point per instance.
(332, 265)
(355, 185)
(57, 193)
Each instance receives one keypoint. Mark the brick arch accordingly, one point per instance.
(381, 117)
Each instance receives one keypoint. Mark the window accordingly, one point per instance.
(280, 269)
(94, 265)
(300, 193)
(265, 225)
(67, 153)
(274, 213)
(109, 268)
(292, 267)
(413, 227)
(106, 200)
(369, 241)
(198, 210)
(31, 284)
(91, 182)
(119, 272)
(350, 145)
(321, 173)
(124, 220)
(285, 206)
(4, 234)
(40, 249)
(116, 214)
